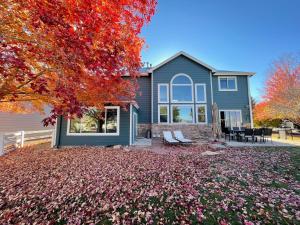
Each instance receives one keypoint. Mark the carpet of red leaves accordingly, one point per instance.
(102, 186)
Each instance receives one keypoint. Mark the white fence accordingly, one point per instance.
(11, 141)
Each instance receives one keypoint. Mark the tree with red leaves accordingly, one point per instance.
(282, 94)
(69, 54)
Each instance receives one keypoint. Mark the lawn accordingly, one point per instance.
(92, 186)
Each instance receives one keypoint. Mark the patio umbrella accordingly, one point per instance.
(215, 122)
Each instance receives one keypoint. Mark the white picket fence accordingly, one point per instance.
(11, 141)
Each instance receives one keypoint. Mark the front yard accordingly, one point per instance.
(90, 186)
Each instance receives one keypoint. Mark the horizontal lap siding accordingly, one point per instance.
(234, 99)
(181, 64)
(121, 139)
(143, 99)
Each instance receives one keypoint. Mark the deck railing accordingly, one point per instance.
(13, 140)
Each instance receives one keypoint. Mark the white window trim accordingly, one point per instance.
(193, 108)
(168, 114)
(159, 85)
(98, 134)
(192, 87)
(231, 77)
(231, 110)
(205, 113)
(196, 92)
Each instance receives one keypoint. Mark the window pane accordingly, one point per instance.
(182, 93)
(182, 114)
(223, 83)
(201, 118)
(75, 125)
(163, 93)
(201, 114)
(163, 114)
(111, 120)
(163, 110)
(227, 119)
(163, 118)
(201, 109)
(231, 83)
(91, 124)
(200, 93)
(182, 80)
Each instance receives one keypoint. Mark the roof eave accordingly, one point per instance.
(234, 74)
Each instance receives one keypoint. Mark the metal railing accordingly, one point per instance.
(13, 140)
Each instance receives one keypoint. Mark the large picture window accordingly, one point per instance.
(182, 114)
(96, 123)
(182, 89)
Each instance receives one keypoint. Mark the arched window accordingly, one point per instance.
(181, 89)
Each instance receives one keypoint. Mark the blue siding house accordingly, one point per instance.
(176, 94)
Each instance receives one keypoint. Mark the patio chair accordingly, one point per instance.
(267, 134)
(248, 134)
(179, 137)
(229, 134)
(258, 134)
(235, 128)
(168, 138)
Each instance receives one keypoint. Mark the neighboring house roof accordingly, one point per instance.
(147, 71)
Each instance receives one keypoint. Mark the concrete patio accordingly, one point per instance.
(273, 143)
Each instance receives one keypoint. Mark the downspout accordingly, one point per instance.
(250, 103)
(59, 133)
(212, 95)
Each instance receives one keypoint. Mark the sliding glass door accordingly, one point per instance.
(230, 119)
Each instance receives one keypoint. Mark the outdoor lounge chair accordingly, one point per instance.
(179, 137)
(168, 138)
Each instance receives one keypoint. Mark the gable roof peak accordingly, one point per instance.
(187, 56)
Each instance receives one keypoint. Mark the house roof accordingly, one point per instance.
(235, 73)
(186, 55)
(147, 71)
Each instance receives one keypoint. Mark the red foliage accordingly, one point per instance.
(70, 54)
(282, 94)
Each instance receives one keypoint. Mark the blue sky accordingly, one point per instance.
(245, 35)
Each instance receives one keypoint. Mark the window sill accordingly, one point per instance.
(228, 89)
(92, 134)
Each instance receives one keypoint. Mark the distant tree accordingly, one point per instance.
(282, 92)
(69, 54)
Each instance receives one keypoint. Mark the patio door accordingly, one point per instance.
(230, 119)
